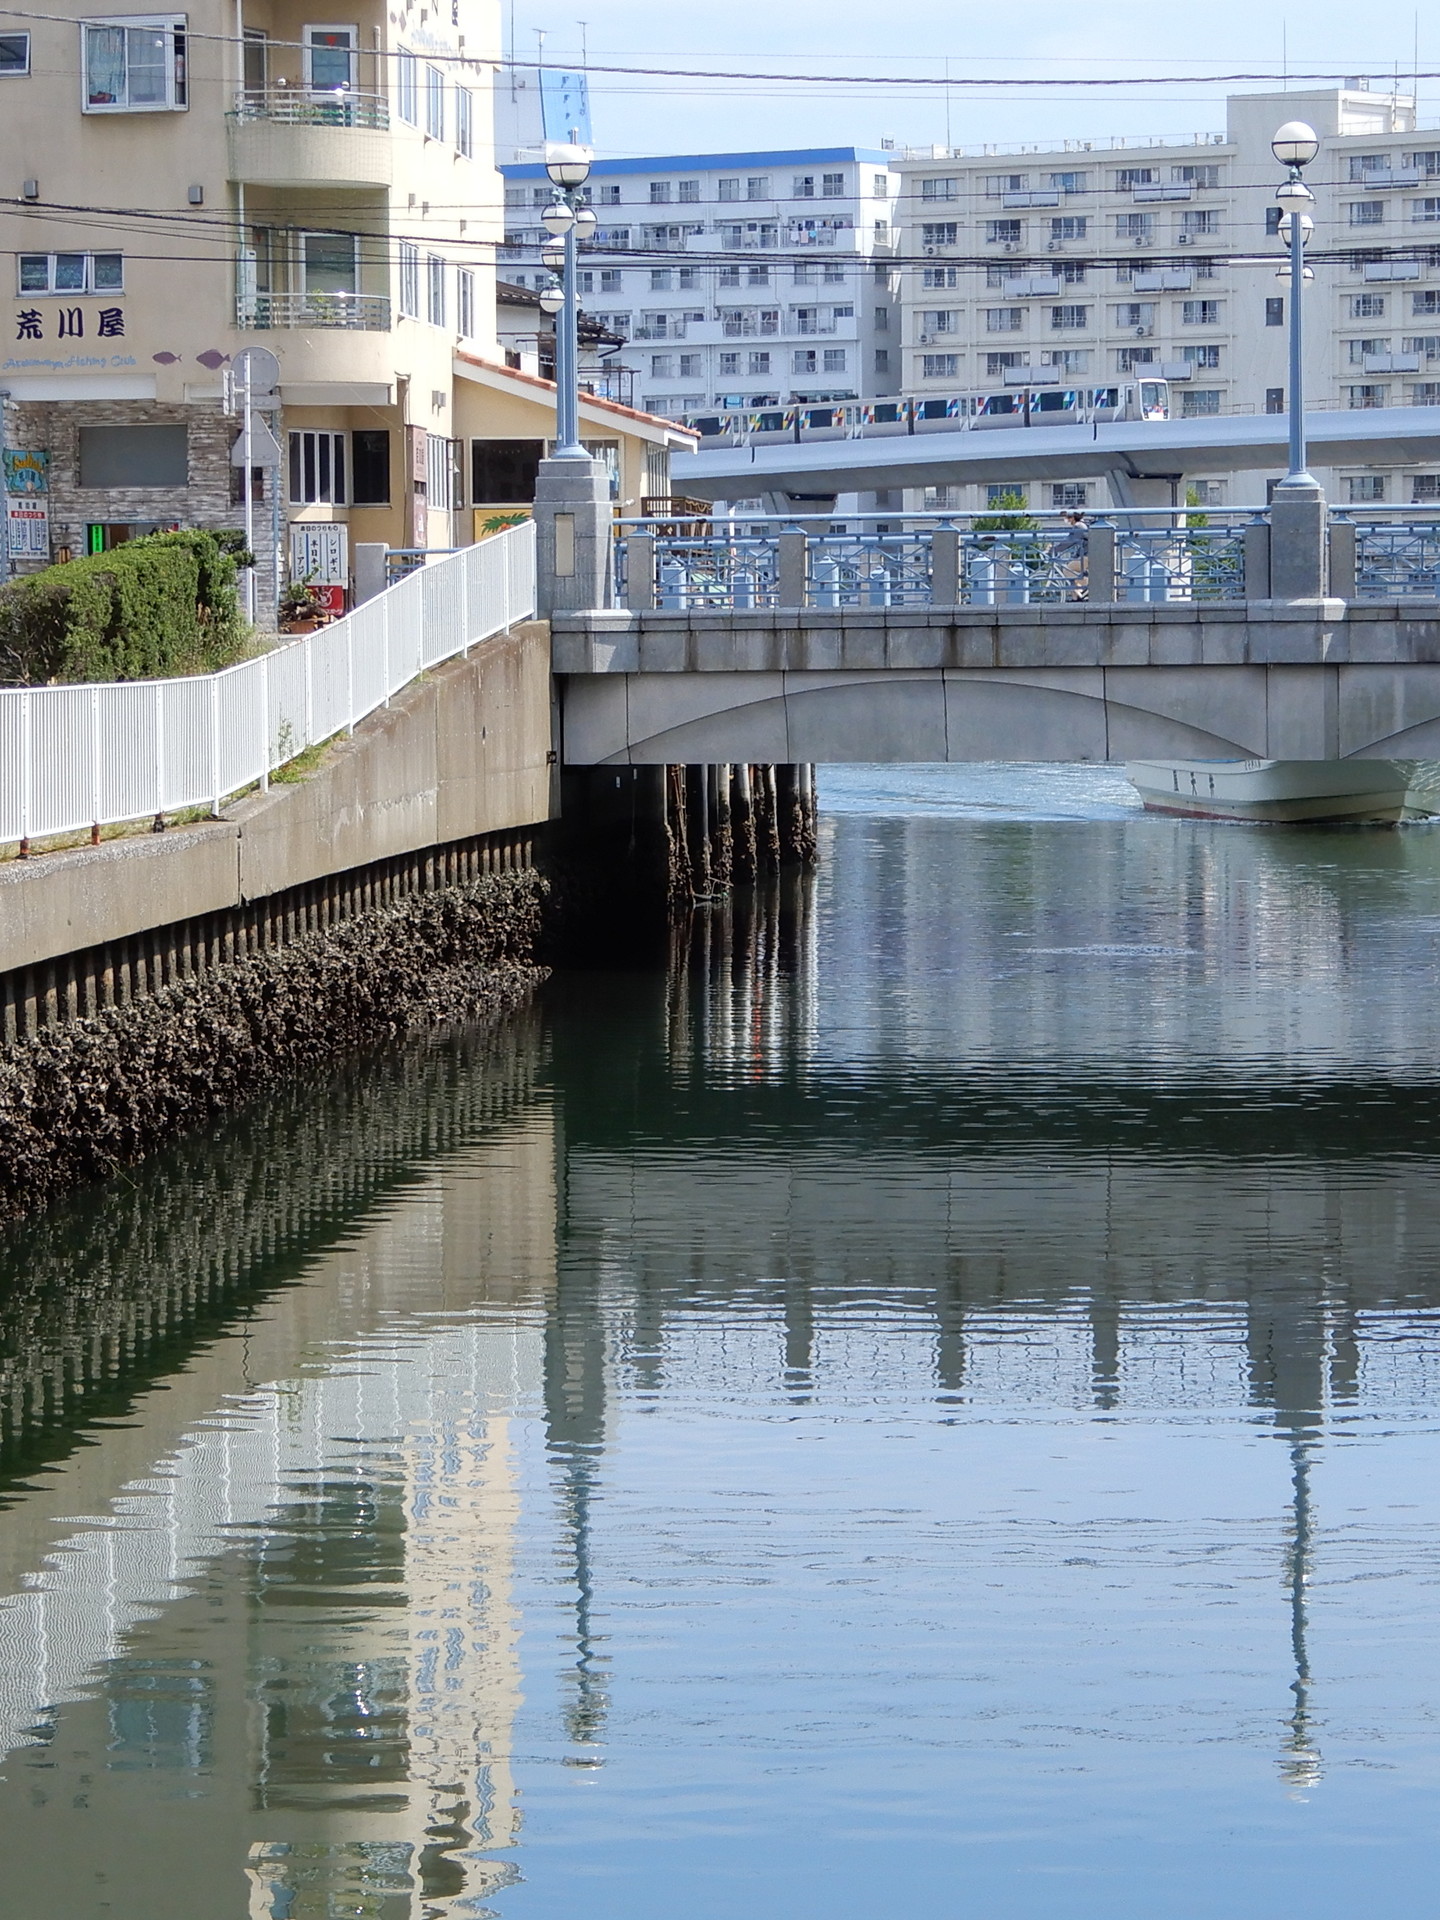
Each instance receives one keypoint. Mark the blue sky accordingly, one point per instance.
(1043, 40)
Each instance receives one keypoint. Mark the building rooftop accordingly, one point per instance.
(712, 162)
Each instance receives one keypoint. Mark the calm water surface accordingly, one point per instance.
(927, 1409)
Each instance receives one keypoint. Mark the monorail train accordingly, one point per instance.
(872, 419)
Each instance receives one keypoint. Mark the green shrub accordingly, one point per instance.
(148, 609)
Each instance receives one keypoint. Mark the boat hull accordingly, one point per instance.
(1275, 792)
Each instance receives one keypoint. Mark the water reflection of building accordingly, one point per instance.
(298, 1592)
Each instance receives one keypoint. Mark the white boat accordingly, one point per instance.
(1279, 790)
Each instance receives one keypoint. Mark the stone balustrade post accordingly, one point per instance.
(1344, 559)
(1297, 542)
(1100, 566)
(945, 567)
(573, 529)
(790, 568)
(1257, 561)
(640, 572)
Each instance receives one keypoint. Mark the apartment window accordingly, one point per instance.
(1004, 233)
(804, 360)
(659, 192)
(757, 276)
(944, 189)
(1208, 357)
(942, 233)
(940, 499)
(803, 273)
(1070, 182)
(1069, 318)
(728, 277)
(833, 360)
(942, 320)
(1004, 319)
(317, 468)
(1135, 313)
(832, 186)
(606, 194)
(1425, 393)
(71, 273)
(409, 277)
(1007, 493)
(882, 360)
(935, 277)
(661, 279)
(1274, 399)
(881, 319)
(1367, 213)
(1426, 344)
(1427, 209)
(611, 280)
(690, 366)
(435, 290)
(687, 277)
(465, 122)
(1368, 394)
(1070, 495)
(1200, 313)
(1187, 175)
(1069, 226)
(1127, 178)
(662, 366)
(1365, 487)
(730, 363)
(1071, 273)
(1206, 493)
(939, 366)
(465, 302)
(1070, 359)
(689, 192)
(998, 183)
(440, 465)
(1424, 489)
(1273, 217)
(330, 58)
(135, 65)
(758, 363)
(1426, 163)
(757, 186)
(1367, 306)
(14, 53)
(1204, 220)
(1425, 302)
(1195, 404)
(330, 263)
(728, 189)
(1275, 310)
(804, 187)
(1359, 350)
(879, 186)
(370, 467)
(1134, 226)
(997, 365)
(407, 87)
(1127, 359)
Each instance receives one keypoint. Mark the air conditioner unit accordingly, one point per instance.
(1185, 239)
(1012, 246)
(931, 250)
(1052, 246)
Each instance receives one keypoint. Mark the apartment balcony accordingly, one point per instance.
(661, 330)
(1391, 363)
(1163, 280)
(1034, 197)
(748, 329)
(1182, 190)
(288, 137)
(1395, 177)
(310, 312)
(1392, 269)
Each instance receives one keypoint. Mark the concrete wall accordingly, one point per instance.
(463, 752)
(1021, 683)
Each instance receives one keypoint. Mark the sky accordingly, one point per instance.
(1046, 40)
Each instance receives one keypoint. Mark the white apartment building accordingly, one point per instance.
(738, 280)
(1083, 263)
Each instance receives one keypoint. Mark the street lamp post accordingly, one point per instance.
(566, 219)
(1295, 146)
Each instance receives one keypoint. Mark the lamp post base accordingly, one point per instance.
(1298, 521)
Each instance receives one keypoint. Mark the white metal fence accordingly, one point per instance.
(76, 757)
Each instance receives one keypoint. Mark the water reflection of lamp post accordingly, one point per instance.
(1300, 1764)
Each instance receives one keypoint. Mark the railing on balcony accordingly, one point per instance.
(915, 560)
(299, 107)
(346, 312)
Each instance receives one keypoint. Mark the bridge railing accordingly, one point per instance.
(999, 558)
(93, 756)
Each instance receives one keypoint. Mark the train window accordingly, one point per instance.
(889, 411)
(1003, 403)
(710, 424)
(932, 409)
(1052, 402)
(1106, 397)
(769, 422)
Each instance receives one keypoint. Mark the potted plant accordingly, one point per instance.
(301, 608)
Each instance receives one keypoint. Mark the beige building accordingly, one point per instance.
(1085, 263)
(197, 183)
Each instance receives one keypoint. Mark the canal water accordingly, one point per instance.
(926, 1408)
